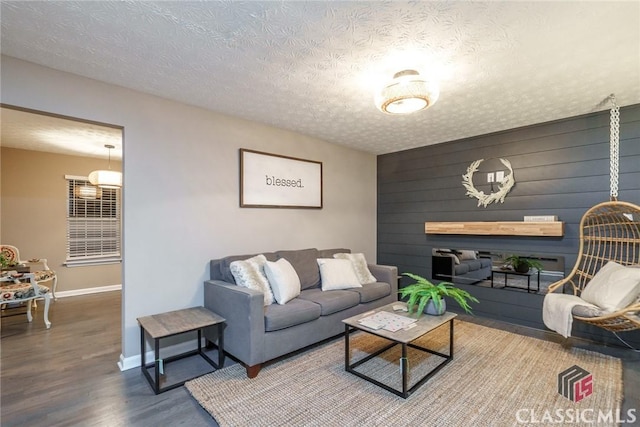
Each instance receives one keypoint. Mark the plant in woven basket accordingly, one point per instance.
(423, 291)
(522, 264)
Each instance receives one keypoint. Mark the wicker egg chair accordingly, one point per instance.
(609, 231)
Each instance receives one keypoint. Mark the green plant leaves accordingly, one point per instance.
(422, 291)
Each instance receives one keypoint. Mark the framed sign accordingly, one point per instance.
(274, 181)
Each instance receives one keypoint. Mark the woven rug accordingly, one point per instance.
(495, 379)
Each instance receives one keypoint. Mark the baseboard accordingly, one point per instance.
(126, 363)
(88, 291)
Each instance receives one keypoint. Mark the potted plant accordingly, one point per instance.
(424, 294)
(522, 264)
(4, 262)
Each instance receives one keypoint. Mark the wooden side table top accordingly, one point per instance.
(178, 321)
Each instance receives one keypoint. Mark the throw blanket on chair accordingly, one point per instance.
(556, 312)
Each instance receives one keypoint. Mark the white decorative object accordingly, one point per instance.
(359, 263)
(613, 287)
(249, 273)
(486, 199)
(540, 218)
(283, 279)
(275, 181)
(337, 274)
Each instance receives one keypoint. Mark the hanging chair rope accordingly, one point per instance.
(614, 147)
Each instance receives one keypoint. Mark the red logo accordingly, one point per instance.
(575, 383)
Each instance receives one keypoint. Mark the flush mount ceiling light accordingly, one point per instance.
(106, 178)
(406, 94)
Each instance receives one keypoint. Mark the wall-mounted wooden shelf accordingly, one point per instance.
(499, 228)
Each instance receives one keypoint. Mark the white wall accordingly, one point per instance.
(181, 184)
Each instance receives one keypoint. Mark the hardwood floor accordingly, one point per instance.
(67, 376)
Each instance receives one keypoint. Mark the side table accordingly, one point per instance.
(176, 322)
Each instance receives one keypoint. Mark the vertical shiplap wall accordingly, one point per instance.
(561, 168)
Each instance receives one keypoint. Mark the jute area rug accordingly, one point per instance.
(495, 379)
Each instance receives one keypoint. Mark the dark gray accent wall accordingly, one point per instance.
(561, 168)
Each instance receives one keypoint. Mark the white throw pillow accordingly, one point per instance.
(249, 273)
(337, 274)
(613, 287)
(359, 263)
(283, 279)
(465, 255)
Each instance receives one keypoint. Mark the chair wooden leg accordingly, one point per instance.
(47, 301)
(29, 315)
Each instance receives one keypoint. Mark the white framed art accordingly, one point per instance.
(275, 181)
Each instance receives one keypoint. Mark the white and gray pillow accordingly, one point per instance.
(249, 273)
(359, 263)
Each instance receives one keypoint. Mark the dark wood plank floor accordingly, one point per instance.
(67, 376)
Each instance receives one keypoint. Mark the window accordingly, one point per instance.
(93, 224)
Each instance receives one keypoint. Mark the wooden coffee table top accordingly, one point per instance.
(424, 324)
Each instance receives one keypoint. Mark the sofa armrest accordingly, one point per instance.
(243, 311)
(442, 267)
(387, 274)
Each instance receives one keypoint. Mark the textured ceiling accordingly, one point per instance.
(28, 131)
(313, 67)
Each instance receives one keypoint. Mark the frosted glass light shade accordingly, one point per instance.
(88, 192)
(106, 178)
(407, 93)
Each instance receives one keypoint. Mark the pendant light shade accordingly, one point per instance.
(88, 192)
(407, 93)
(106, 178)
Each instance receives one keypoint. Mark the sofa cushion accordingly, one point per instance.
(295, 312)
(461, 269)
(466, 255)
(359, 263)
(473, 264)
(283, 280)
(304, 262)
(220, 269)
(250, 274)
(372, 291)
(613, 287)
(331, 301)
(485, 262)
(337, 274)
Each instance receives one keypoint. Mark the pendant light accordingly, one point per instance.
(106, 178)
(88, 192)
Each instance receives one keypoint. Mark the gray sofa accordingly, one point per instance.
(459, 266)
(255, 334)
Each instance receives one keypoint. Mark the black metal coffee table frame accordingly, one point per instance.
(516, 273)
(406, 392)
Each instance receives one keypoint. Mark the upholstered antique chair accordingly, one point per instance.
(21, 288)
(41, 275)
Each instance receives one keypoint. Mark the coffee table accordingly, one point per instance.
(506, 273)
(404, 338)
